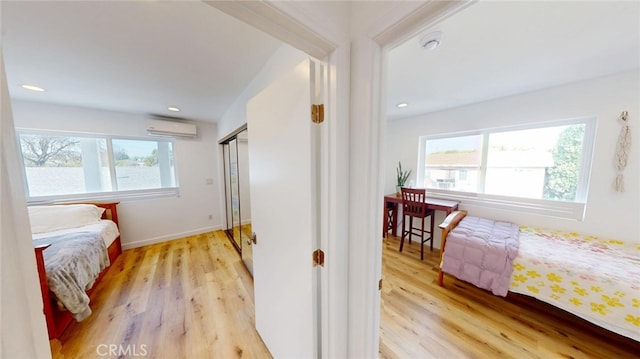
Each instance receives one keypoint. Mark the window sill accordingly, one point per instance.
(557, 209)
(135, 195)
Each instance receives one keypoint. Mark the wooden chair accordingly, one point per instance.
(414, 206)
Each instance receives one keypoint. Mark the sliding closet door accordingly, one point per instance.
(238, 203)
(227, 191)
(245, 199)
(235, 194)
(232, 193)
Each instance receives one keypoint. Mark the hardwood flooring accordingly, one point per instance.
(188, 298)
(193, 298)
(419, 319)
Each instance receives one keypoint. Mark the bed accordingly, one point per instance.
(75, 245)
(594, 278)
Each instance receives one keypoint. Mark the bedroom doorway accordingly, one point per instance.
(235, 151)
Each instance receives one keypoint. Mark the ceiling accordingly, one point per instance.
(494, 49)
(144, 56)
(131, 56)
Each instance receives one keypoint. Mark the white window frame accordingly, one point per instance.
(559, 209)
(166, 192)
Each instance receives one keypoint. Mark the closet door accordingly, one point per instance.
(234, 194)
(227, 191)
(245, 199)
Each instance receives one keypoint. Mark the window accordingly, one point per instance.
(446, 160)
(525, 167)
(72, 166)
(143, 164)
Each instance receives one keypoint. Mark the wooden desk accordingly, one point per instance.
(392, 201)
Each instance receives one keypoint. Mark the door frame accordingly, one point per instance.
(356, 58)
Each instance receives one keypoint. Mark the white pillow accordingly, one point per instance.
(57, 217)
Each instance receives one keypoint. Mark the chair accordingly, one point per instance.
(414, 206)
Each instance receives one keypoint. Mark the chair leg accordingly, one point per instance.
(422, 240)
(432, 231)
(402, 234)
(410, 228)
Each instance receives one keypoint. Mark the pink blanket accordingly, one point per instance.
(481, 252)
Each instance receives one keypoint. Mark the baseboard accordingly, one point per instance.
(146, 242)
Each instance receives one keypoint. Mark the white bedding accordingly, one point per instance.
(107, 229)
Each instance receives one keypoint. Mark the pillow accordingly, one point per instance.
(57, 217)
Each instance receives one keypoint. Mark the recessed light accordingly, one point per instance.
(33, 88)
(174, 109)
(402, 105)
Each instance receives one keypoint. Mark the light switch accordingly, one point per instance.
(209, 180)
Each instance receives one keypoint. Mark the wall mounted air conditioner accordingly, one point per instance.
(171, 128)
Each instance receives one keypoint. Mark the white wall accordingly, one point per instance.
(285, 58)
(151, 220)
(608, 213)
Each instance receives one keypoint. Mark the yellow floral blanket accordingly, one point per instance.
(595, 278)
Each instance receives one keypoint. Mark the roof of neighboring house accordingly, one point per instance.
(527, 159)
(454, 159)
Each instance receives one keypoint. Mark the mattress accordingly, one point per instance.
(595, 278)
(106, 228)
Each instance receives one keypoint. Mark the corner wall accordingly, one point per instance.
(608, 213)
(146, 221)
(285, 58)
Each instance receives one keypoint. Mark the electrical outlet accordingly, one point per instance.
(209, 180)
(211, 217)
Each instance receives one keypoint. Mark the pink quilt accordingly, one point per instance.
(481, 251)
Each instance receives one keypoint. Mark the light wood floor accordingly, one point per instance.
(419, 319)
(193, 298)
(188, 298)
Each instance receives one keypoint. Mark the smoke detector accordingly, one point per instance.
(431, 40)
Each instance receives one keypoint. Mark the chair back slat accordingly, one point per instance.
(413, 202)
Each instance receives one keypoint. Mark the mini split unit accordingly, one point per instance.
(171, 128)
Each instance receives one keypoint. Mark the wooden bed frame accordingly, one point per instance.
(446, 226)
(57, 319)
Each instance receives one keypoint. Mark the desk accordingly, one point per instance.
(392, 201)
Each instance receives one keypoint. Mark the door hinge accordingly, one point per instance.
(317, 113)
(318, 258)
(380, 284)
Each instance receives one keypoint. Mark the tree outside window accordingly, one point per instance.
(50, 151)
(61, 165)
(561, 180)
